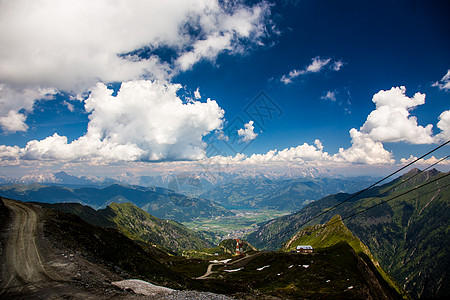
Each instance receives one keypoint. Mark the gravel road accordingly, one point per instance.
(23, 261)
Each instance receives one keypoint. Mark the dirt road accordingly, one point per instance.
(209, 270)
(24, 266)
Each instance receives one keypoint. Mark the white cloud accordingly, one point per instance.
(68, 43)
(13, 122)
(444, 126)
(247, 134)
(69, 106)
(145, 121)
(318, 64)
(337, 65)
(364, 150)
(444, 83)
(197, 94)
(14, 102)
(72, 45)
(425, 162)
(391, 120)
(329, 96)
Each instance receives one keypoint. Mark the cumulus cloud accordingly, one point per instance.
(15, 102)
(364, 150)
(317, 64)
(444, 126)
(247, 134)
(300, 154)
(145, 121)
(425, 162)
(444, 83)
(391, 120)
(72, 45)
(13, 122)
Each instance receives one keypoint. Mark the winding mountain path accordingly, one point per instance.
(209, 270)
(24, 265)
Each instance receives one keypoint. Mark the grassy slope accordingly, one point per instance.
(331, 273)
(141, 226)
(138, 225)
(332, 233)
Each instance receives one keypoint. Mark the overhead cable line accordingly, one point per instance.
(364, 190)
(403, 181)
(374, 184)
(390, 199)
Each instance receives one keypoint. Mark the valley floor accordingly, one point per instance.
(238, 226)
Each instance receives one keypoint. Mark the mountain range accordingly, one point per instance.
(192, 184)
(159, 202)
(288, 195)
(405, 227)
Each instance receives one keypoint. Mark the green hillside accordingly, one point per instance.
(141, 226)
(138, 225)
(408, 235)
(326, 235)
(334, 232)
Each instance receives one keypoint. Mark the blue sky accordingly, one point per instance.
(376, 68)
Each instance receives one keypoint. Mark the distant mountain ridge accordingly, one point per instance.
(408, 235)
(192, 184)
(288, 195)
(159, 202)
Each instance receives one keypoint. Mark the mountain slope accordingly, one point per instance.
(138, 225)
(332, 233)
(408, 235)
(159, 202)
(288, 195)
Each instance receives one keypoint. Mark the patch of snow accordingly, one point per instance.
(235, 270)
(142, 287)
(220, 261)
(328, 280)
(291, 266)
(305, 266)
(350, 287)
(262, 268)
(279, 274)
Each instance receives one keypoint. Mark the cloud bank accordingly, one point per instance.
(50, 45)
(145, 121)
